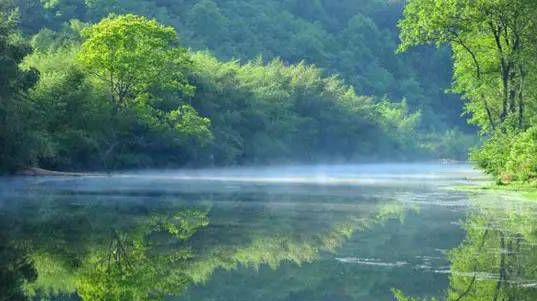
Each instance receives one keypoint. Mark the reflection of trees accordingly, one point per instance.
(498, 258)
(296, 236)
(144, 263)
(324, 277)
(103, 250)
(16, 268)
(149, 249)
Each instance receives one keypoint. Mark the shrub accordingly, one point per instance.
(509, 155)
(522, 159)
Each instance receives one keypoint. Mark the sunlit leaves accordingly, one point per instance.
(132, 54)
(490, 42)
(494, 51)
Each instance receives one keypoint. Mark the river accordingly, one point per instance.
(325, 232)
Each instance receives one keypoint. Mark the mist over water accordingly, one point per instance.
(323, 232)
(351, 175)
(321, 174)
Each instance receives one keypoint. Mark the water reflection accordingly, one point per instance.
(104, 250)
(497, 260)
(16, 267)
(345, 234)
(67, 245)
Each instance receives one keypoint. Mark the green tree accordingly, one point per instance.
(273, 112)
(492, 46)
(354, 39)
(77, 114)
(132, 55)
(142, 65)
(19, 139)
(206, 20)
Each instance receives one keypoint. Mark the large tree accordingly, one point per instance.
(141, 64)
(133, 55)
(493, 48)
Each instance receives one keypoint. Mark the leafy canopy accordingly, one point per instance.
(133, 54)
(493, 50)
(19, 139)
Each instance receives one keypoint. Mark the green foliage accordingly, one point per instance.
(75, 113)
(277, 112)
(84, 129)
(494, 153)
(186, 123)
(398, 122)
(48, 40)
(123, 93)
(20, 140)
(522, 159)
(493, 50)
(132, 54)
(451, 144)
(510, 155)
(354, 39)
(400, 296)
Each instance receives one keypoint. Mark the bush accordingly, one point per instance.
(493, 154)
(509, 155)
(522, 159)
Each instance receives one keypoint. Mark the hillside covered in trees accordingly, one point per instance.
(217, 150)
(95, 85)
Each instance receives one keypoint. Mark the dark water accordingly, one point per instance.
(294, 233)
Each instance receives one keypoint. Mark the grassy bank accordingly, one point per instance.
(528, 190)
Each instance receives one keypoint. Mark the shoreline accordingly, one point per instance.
(40, 172)
(526, 190)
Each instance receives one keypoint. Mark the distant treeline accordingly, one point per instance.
(125, 93)
(355, 39)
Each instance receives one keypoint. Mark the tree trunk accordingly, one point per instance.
(521, 104)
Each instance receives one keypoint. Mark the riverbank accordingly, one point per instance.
(37, 171)
(40, 172)
(526, 190)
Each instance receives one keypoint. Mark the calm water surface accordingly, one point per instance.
(282, 233)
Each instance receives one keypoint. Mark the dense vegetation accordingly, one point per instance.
(89, 90)
(354, 39)
(494, 52)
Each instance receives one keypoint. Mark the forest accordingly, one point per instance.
(268, 150)
(107, 85)
(494, 50)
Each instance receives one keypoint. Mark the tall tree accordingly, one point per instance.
(493, 47)
(132, 55)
